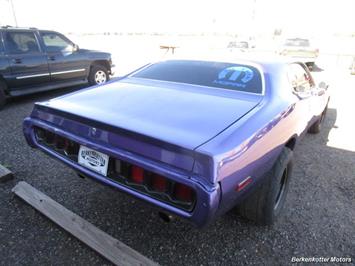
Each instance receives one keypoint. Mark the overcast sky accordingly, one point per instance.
(181, 16)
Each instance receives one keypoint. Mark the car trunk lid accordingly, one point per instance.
(181, 114)
(159, 120)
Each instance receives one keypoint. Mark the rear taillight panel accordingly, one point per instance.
(133, 176)
(57, 143)
(155, 185)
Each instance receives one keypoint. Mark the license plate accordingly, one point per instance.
(94, 160)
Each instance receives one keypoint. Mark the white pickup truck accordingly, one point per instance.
(301, 49)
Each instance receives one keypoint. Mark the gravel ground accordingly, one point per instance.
(319, 216)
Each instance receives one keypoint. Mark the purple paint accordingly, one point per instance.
(207, 138)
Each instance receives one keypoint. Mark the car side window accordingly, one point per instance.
(1, 45)
(21, 42)
(300, 80)
(55, 42)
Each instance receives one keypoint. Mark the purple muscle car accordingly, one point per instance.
(193, 137)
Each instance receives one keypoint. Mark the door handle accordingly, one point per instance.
(51, 57)
(17, 60)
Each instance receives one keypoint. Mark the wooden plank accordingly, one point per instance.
(109, 247)
(5, 174)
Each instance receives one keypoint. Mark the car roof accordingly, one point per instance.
(17, 28)
(258, 61)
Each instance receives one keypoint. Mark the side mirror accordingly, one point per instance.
(75, 48)
(301, 92)
(323, 85)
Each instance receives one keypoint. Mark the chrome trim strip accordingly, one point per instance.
(68, 71)
(33, 76)
(244, 181)
(54, 73)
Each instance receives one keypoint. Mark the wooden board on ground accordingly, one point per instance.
(5, 174)
(109, 247)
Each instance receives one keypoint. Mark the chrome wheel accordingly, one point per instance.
(100, 77)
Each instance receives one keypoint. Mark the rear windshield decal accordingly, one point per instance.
(235, 76)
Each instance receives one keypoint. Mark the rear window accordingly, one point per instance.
(18, 42)
(212, 74)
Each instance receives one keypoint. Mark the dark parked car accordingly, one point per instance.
(33, 60)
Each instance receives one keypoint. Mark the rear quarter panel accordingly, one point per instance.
(251, 146)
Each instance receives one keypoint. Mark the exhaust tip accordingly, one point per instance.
(165, 217)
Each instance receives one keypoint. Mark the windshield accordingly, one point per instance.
(212, 74)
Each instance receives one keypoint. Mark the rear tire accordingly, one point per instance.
(98, 75)
(265, 205)
(2, 95)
